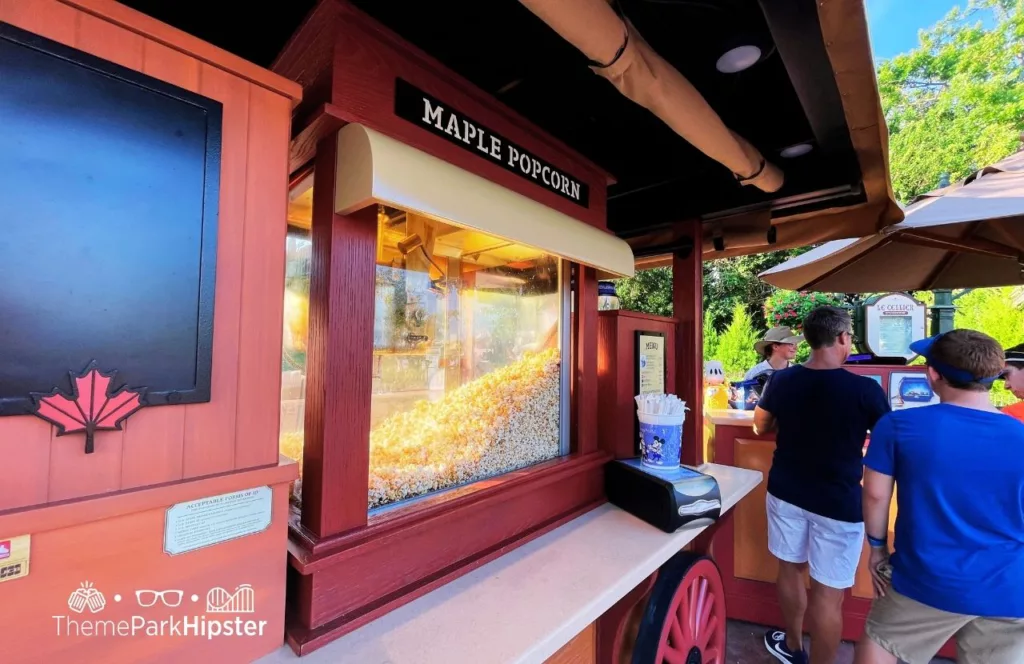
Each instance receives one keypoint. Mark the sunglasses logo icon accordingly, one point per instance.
(147, 598)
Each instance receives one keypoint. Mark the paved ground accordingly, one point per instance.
(746, 646)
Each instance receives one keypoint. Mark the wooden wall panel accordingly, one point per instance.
(170, 443)
(266, 201)
(48, 18)
(616, 375)
(752, 559)
(25, 469)
(153, 438)
(581, 650)
(72, 473)
(209, 445)
(25, 442)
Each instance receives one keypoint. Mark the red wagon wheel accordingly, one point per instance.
(684, 622)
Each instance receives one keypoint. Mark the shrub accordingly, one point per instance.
(736, 344)
(712, 338)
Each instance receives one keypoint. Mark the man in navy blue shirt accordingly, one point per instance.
(823, 413)
(958, 569)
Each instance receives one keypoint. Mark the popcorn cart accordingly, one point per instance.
(463, 392)
(372, 358)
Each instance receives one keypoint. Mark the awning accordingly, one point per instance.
(373, 168)
(968, 235)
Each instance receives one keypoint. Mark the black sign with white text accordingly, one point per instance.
(418, 107)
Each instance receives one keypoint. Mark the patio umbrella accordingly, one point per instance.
(967, 235)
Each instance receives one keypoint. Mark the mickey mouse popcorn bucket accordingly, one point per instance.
(661, 429)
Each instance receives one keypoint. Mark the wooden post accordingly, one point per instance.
(687, 289)
(585, 340)
(339, 373)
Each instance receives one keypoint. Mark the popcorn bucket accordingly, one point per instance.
(661, 439)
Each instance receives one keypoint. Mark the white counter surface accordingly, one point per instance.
(527, 604)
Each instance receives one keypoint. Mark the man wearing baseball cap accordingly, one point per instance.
(958, 566)
(1014, 377)
(777, 350)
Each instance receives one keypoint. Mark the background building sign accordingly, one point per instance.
(891, 323)
(418, 107)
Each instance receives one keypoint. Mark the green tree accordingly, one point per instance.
(994, 312)
(736, 344)
(956, 102)
(711, 338)
(650, 291)
(727, 282)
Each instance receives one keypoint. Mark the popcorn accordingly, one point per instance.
(502, 421)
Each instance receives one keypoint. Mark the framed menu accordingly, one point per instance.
(649, 362)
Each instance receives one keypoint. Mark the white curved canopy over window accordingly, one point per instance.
(373, 168)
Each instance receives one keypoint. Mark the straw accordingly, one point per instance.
(660, 404)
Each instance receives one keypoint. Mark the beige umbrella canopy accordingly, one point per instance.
(967, 235)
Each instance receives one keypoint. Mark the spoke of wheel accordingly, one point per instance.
(706, 626)
(712, 657)
(673, 656)
(676, 632)
(683, 617)
(698, 610)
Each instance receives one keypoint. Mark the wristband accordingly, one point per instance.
(875, 542)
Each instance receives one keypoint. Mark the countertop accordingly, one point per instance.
(527, 604)
(729, 417)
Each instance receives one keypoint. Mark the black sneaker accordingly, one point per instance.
(775, 642)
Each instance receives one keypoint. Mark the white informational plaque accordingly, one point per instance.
(891, 323)
(208, 521)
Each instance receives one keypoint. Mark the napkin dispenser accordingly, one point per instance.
(666, 499)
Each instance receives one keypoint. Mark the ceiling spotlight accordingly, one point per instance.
(798, 150)
(737, 59)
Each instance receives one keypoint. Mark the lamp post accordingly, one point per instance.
(943, 309)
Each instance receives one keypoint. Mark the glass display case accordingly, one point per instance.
(468, 379)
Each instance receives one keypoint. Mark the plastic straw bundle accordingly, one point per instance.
(660, 404)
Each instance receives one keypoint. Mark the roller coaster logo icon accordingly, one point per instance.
(243, 600)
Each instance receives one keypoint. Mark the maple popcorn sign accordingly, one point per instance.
(418, 107)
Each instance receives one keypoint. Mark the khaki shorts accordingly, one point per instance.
(914, 632)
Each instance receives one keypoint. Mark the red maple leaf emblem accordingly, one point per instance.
(91, 407)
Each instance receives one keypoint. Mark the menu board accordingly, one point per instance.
(650, 362)
(895, 333)
(892, 322)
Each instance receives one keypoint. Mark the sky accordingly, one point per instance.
(894, 24)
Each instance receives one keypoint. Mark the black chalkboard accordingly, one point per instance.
(108, 225)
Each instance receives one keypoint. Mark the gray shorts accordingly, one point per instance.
(914, 632)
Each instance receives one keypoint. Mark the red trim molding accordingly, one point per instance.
(340, 583)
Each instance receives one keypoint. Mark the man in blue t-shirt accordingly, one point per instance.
(823, 413)
(958, 569)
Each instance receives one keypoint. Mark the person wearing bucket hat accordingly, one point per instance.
(1014, 377)
(958, 566)
(777, 350)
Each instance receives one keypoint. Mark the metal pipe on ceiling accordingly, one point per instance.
(618, 53)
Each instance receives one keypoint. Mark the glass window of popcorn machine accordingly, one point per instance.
(469, 331)
(467, 370)
(298, 253)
